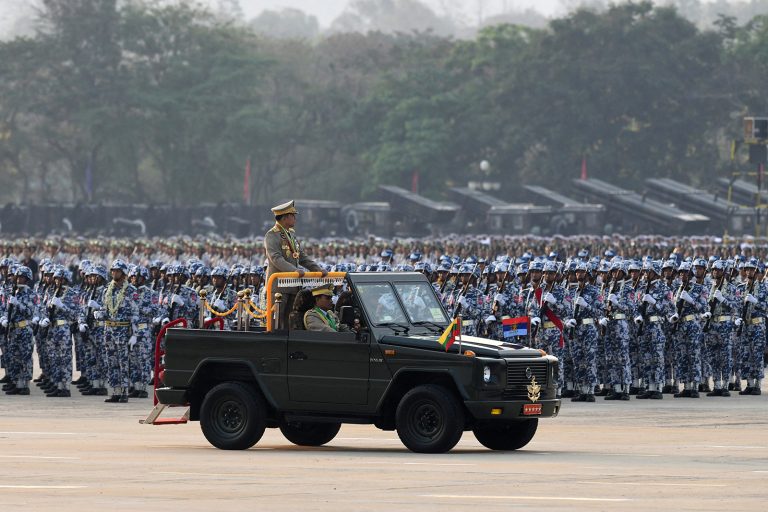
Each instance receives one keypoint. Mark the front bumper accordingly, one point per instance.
(512, 409)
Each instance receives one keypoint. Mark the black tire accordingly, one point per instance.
(508, 435)
(429, 419)
(233, 416)
(307, 433)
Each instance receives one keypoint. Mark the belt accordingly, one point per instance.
(689, 318)
(110, 323)
(757, 320)
(720, 319)
(20, 325)
(548, 325)
(588, 321)
(99, 323)
(61, 322)
(619, 316)
(654, 319)
(143, 326)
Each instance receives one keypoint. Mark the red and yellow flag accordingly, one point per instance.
(450, 334)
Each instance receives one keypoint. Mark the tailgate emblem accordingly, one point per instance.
(534, 390)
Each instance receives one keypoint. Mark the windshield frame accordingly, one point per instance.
(444, 322)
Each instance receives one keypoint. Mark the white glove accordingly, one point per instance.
(82, 328)
(98, 315)
(56, 301)
(132, 340)
(706, 315)
(4, 322)
(206, 319)
(719, 296)
(499, 298)
(638, 319)
(166, 320)
(35, 320)
(463, 302)
(45, 322)
(490, 319)
(219, 304)
(603, 322)
(176, 299)
(649, 299)
(674, 318)
(93, 304)
(581, 302)
(570, 323)
(13, 300)
(751, 298)
(738, 322)
(156, 320)
(613, 299)
(535, 321)
(687, 297)
(550, 298)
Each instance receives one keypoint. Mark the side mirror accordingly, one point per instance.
(347, 315)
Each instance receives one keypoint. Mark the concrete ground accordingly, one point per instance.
(676, 454)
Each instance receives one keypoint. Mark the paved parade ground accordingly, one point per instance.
(675, 454)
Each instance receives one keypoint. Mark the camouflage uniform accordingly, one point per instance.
(653, 340)
(719, 339)
(121, 318)
(689, 336)
(621, 302)
(20, 342)
(62, 308)
(752, 340)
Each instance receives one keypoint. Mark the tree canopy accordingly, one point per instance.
(137, 102)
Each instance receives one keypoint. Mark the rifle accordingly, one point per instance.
(609, 307)
(543, 308)
(9, 315)
(457, 310)
(576, 308)
(679, 305)
(643, 309)
(745, 306)
(713, 301)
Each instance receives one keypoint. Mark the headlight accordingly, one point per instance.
(487, 374)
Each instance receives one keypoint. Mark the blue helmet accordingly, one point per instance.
(699, 262)
(522, 268)
(415, 256)
(120, 265)
(219, 271)
(63, 273)
(84, 264)
(156, 264)
(685, 267)
(536, 265)
(550, 266)
(669, 264)
(387, 253)
(718, 265)
(23, 271)
(751, 263)
(203, 271)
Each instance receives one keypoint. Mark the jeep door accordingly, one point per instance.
(327, 368)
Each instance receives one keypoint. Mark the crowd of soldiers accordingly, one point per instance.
(625, 316)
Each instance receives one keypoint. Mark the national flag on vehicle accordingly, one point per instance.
(450, 334)
(517, 326)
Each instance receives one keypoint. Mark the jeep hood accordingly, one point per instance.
(483, 347)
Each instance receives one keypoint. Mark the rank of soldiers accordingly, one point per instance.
(620, 327)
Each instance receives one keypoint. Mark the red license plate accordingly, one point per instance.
(531, 409)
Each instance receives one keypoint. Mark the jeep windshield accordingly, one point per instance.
(405, 302)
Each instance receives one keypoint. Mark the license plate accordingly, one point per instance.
(531, 409)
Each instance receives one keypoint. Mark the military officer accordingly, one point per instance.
(322, 317)
(285, 253)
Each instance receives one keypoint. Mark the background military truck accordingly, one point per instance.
(393, 374)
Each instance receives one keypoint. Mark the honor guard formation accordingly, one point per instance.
(643, 316)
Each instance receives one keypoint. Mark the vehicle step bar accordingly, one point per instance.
(155, 419)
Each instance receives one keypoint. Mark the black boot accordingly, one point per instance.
(756, 391)
(667, 390)
(686, 393)
(142, 394)
(715, 392)
(746, 391)
(5, 380)
(124, 399)
(113, 399)
(694, 394)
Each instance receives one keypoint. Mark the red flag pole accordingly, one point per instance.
(584, 167)
(247, 182)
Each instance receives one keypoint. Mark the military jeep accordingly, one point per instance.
(393, 374)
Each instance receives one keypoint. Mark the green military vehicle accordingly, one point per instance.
(393, 374)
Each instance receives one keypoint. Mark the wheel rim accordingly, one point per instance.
(426, 421)
(230, 417)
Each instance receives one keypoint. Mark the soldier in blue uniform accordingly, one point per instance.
(17, 315)
(60, 311)
(222, 297)
(546, 305)
(620, 307)
(120, 312)
(469, 300)
(142, 354)
(724, 307)
(752, 341)
(92, 333)
(587, 306)
(656, 307)
(692, 302)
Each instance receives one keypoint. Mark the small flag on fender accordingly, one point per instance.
(450, 334)
(517, 326)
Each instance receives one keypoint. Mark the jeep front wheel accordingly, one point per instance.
(429, 419)
(307, 433)
(233, 416)
(508, 435)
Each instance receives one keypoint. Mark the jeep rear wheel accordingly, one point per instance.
(508, 435)
(233, 416)
(307, 433)
(429, 419)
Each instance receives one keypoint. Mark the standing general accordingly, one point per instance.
(285, 254)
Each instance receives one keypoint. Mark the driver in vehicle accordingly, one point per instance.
(322, 317)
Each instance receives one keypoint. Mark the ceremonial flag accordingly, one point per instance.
(247, 182)
(450, 334)
(517, 326)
